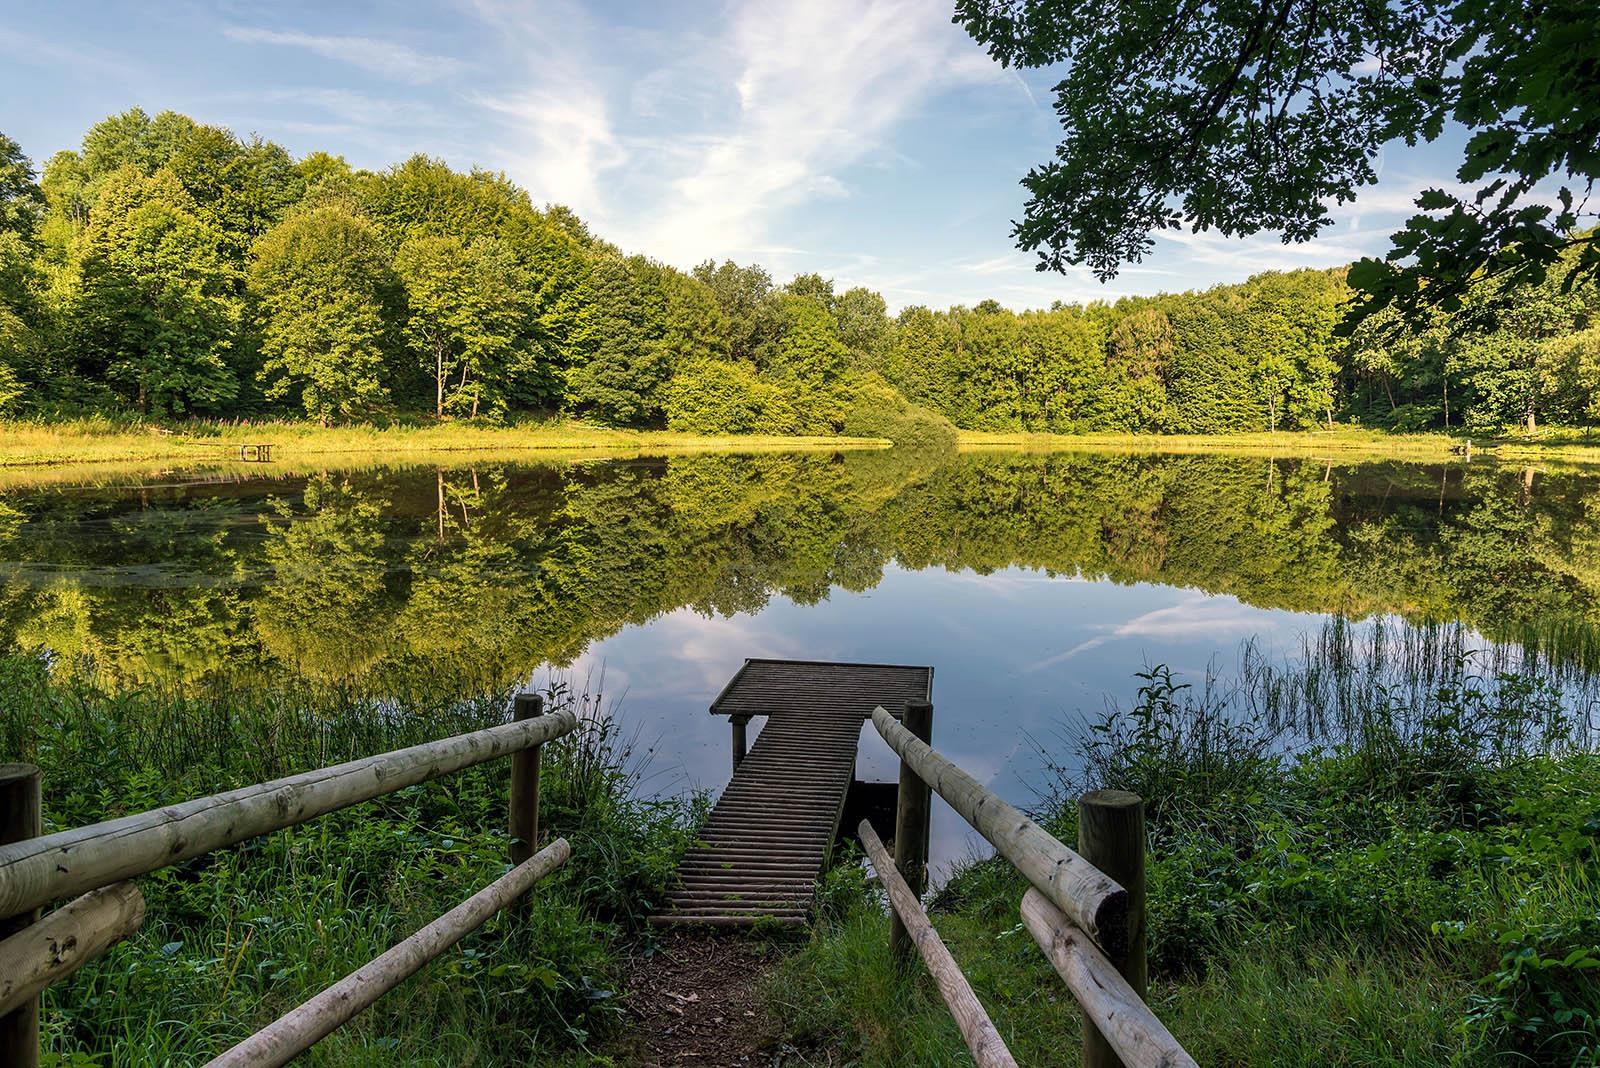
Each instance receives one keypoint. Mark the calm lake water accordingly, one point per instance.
(1035, 584)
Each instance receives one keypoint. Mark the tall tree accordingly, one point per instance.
(864, 327)
(22, 202)
(619, 370)
(465, 305)
(754, 313)
(157, 313)
(1244, 117)
(325, 295)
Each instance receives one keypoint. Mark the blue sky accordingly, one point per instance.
(869, 140)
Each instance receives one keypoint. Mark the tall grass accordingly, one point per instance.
(1380, 850)
(236, 937)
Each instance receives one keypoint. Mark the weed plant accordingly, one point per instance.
(237, 937)
(1379, 852)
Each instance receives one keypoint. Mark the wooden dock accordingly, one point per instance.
(767, 839)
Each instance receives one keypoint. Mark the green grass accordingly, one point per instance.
(102, 440)
(1414, 882)
(237, 937)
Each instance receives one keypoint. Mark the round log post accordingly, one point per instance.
(525, 784)
(301, 1028)
(21, 818)
(1111, 837)
(37, 871)
(1087, 896)
(913, 806)
(66, 940)
(737, 725)
(987, 1047)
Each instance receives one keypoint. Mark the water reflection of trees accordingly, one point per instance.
(479, 575)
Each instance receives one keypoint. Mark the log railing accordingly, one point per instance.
(98, 862)
(1089, 925)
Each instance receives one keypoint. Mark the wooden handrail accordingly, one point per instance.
(1137, 1035)
(39, 870)
(304, 1026)
(987, 1047)
(1094, 902)
(66, 940)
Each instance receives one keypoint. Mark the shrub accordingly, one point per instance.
(878, 410)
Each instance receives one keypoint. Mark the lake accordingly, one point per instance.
(1036, 584)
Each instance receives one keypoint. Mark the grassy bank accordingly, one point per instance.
(1554, 445)
(1346, 868)
(111, 441)
(237, 937)
(106, 443)
(1343, 442)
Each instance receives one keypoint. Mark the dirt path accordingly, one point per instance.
(697, 1000)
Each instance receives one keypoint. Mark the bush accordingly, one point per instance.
(715, 397)
(878, 410)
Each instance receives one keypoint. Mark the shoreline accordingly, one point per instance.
(77, 444)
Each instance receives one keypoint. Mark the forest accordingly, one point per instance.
(170, 269)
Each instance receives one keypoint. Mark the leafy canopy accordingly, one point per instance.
(1245, 116)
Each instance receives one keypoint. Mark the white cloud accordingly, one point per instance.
(1197, 615)
(359, 109)
(385, 58)
(723, 132)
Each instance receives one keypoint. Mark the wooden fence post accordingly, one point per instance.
(914, 804)
(1111, 837)
(525, 784)
(21, 817)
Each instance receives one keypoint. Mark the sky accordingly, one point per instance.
(869, 140)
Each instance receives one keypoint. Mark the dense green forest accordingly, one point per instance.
(169, 268)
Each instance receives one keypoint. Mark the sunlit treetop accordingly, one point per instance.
(1256, 115)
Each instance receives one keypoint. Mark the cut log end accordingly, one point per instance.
(1110, 924)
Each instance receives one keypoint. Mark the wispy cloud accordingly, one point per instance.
(1199, 615)
(722, 133)
(359, 109)
(385, 58)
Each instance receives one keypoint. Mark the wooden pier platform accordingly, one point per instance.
(764, 845)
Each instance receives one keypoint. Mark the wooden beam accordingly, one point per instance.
(1095, 903)
(524, 804)
(70, 862)
(1111, 837)
(21, 820)
(303, 1027)
(1133, 1031)
(913, 807)
(987, 1047)
(66, 940)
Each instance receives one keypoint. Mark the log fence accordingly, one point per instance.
(94, 865)
(1085, 910)
(983, 1041)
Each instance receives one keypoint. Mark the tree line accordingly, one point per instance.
(170, 268)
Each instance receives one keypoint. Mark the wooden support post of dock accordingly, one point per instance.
(913, 807)
(525, 784)
(736, 724)
(1111, 837)
(21, 817)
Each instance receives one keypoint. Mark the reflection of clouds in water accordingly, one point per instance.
(718, 645)
(1200, 615)
(1002, 690)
